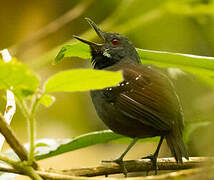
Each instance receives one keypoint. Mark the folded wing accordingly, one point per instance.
(148, 96)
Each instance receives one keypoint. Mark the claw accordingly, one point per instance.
(153, 158)
(120, 163)
(119, 160)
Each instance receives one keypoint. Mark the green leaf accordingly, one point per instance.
(46, 148)
(67, 145)
(128, 140)
(56, 147)
(18, 78)
(82, 80)
(76, 49)
(83, 51)
(204, 75)
(40, 144)
(47, 100)
(174, 59)
(201, 66)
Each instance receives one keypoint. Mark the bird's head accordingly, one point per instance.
(115, 48)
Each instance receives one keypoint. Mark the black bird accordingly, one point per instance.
(144, 105)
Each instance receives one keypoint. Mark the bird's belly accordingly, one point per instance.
(118, 122)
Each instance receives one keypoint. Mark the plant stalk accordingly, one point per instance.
(32, 128)
(30, 116)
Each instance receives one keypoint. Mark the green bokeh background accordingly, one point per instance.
(181, 26)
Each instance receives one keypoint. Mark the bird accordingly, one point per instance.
(145, 104)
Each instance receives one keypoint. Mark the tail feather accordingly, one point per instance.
(176, 145)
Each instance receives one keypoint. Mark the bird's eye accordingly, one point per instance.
(115, 42)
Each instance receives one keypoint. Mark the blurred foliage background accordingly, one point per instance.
(34, 31)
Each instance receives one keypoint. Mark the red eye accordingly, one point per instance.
(115, 42)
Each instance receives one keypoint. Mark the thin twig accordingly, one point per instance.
(52, 27)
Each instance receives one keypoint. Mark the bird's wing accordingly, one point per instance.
(147, 95)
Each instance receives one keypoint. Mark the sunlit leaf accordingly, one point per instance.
(83, 51)
(57, 147)
(82, 80)
(40, 144)
(47, 100)
(174, 59)
(201, 66)
(204, 75)
(48, 147)
(129, 140)
(76, 49)
(18, 78)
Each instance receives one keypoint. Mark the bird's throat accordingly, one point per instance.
(99, 61)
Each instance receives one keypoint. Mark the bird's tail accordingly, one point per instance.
(176, 145)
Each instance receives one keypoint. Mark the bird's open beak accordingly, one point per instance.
(99, 32)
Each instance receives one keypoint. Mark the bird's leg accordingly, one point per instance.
(153, 157)
(119, 160)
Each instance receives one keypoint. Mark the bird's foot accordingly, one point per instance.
(153, 158)
(120, 162)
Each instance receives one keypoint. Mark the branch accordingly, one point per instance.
(198, 173)
(202, 173)
(21, 167)
(13, 141)
(132, 166)
(136, 166)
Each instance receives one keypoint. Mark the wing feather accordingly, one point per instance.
(148, 96)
